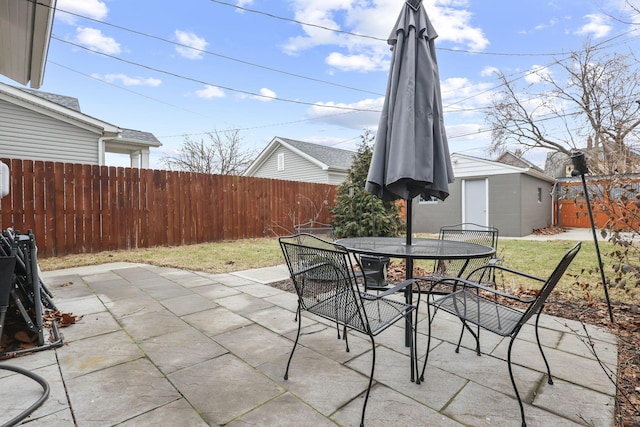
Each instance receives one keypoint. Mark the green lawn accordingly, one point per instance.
(536, 257)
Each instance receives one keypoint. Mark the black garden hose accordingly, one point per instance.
(45, 394)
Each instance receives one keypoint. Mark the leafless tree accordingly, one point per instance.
(221, 154)
(588, 101)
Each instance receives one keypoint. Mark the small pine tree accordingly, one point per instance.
(357, 212)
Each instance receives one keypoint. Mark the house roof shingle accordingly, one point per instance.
(65, 101)
(335, 158)
(137, 135)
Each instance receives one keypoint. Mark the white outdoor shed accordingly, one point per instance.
(516, 200)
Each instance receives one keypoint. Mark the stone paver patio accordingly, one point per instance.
(161, 346)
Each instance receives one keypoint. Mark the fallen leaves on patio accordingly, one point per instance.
(16, 336)
(62, 319)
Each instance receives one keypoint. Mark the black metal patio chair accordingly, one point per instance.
(373, 267)
(325, 281)
(492, 309)
(464, 232)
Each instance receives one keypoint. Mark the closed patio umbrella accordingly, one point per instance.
(411, 153)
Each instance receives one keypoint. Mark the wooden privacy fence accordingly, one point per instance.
(607, 207)
(76, 208)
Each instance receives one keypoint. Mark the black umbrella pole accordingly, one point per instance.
(408, 210)
(595, 240)
(408, 274)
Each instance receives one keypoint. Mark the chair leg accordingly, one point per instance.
(414, 352)
(549, 378)
(373, 367)
(513, 381)
(465, 325)
(346, 340)
(426, 356)
(299, 317)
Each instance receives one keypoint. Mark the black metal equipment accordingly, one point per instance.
(580, 168)
(25, 291)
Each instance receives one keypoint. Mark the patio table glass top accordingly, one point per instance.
(420, 248)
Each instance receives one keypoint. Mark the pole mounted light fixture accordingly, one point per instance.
(580, 167)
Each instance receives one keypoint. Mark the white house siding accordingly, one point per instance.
(25, 134)
(296, 168)
(336, 178)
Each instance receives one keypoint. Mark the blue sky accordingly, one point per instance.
(256, 68)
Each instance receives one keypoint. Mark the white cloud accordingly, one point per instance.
(210, 92)
(95, 9)
(489, 71)
(193, 45)
(450, 18)
(268, 93)
(537, 73)
(359, 62)
(460, 93)
(243, 3)
(597, 26)
(130, 81)
(358, 120)
(551, 23)
(627, 9)
(94, 39)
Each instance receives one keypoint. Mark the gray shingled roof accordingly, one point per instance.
(335, 158)
(66, 101)
(73, 104)
(137, 135)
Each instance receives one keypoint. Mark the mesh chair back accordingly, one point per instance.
(466, 232)
(551, 283)
(320, 229)
(324, 279)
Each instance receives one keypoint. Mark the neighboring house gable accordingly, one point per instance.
(512, 159)
(560, 165)
(301, 161)
(43, 126)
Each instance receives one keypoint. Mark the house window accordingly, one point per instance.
(431, 199)
(280, 161)
(539, 195)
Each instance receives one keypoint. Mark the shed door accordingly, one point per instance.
(474, 207)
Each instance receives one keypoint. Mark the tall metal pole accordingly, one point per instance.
(408, 273)
(580, 168)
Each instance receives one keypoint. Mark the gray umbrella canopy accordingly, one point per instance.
(411, 153)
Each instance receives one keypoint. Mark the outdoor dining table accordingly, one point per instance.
(419, 249)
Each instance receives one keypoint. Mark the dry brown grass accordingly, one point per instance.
(218, 257)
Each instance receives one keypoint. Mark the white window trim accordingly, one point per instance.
(280, 162)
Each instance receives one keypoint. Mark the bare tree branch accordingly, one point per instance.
(221, 154)
(589, 101)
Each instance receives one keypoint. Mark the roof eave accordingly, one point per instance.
(33, 102)
(24, 41)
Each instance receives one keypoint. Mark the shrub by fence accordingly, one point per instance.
(76, 208)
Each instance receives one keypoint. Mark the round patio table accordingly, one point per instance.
(420, 248)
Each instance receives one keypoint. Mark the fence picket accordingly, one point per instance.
(76, 208)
